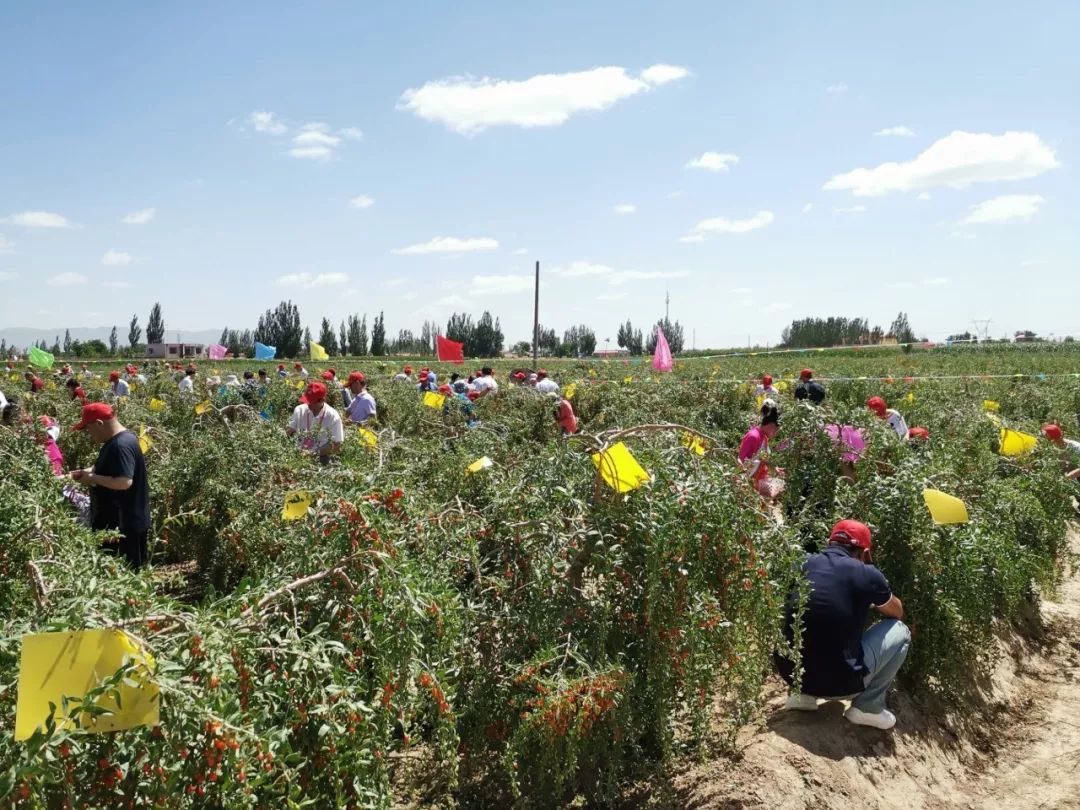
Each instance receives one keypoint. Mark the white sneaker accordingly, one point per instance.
(883, 719)
(801, 703)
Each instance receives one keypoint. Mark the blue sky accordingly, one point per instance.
(418, 158)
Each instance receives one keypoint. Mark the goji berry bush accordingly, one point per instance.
(522, 634)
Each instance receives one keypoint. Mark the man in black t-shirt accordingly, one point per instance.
(808, 388)
(119, 495)
(839, 659)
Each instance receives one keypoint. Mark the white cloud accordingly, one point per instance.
(362, 201)
(776, 306)
(116, 258)
(37, 219)
(116, 285)
(307, 280)
(469, 105)
(692, 238)
(315, 135)
(447, 244)
(395, 282)
(580, 268)
(724, 225)
(623, 276)
(66, 280)
(451, 301)
(936, 281)
(351, 133)
(924, 196)
(7, 275)
(311, 152)
(521, 251)
(662, 74)
(624, 208)
(961, 235)
(713, 161)
(956, 161)
(741, 290)
(612, 296)
(409, 296)
(1004, 209)
(6, 245)
(267, 122)
(806, 209)
(837, 90)
(895, 132)
(140, 217)
(851, 209)
(501, 285)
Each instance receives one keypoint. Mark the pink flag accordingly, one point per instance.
(217, 351)
(661, 359)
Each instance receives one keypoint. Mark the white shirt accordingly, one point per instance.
(120, 389)
(186, 386)
(3, 401)
(486, 383)
(315, 432)
(547, 386)
(766, 390)
(897, 423)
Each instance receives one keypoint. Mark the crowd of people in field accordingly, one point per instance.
(840, 657)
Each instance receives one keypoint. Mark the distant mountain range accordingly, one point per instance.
(24, 337)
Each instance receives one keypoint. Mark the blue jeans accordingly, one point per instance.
(885, 646)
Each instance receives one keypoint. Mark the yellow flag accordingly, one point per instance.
(695, 444)
(1015, 443)
(368, 438)
(991, 405)
(318, 352)
(619, 469)
(203, 407)
(144, 440)
(157, 405)
(433, 399)
(296, 504)
(53, 666)
(478, 465)
(760, 400)
(945, 509)
(570, 390)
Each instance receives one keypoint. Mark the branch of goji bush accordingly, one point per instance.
(337, 568)
(41, 593)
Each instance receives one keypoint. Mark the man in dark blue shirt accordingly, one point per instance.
(839, 659)
(119, 495)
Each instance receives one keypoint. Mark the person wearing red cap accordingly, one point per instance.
(1071, 447)
(362, 406)
(405, 375)
(544, 384)
(316, 426)
(838, 658)
(187, 382)
(485, 383)
(76, 390)
(565, 416)
(37, 385)
(426, 383)
(119, 493)
(281, 371)
(919, 434)
(299, 370)
(765, 388)
(893, 417)
(118, 387)
(809, 389)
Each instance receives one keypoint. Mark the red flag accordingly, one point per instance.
(449, 351)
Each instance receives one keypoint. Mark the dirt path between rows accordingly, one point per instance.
(1023, 755)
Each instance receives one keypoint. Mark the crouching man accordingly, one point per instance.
(840, 657)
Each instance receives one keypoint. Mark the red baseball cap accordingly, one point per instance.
(918, 433)
(805, 374)
(328, 374)
(94, 412)
(298, 365)
(766, 379)
(519, 376)
(114, 375)
(852, 533)
(315, 392)
(423, 376)
(357, 376)
(445, 389)
(280, 366)
(877, 405)
(1052, 432)
(407, 369)
(541, 373)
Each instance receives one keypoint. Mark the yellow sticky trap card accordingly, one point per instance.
(760, 400)
(1015, 443)
(156, 405)
(619, 469)
(368, 437)
(571, 389)
(910, 397)
(145, 442)
(300, 385)
(296, 504)
(627, 380)
(133, 387)
(782, 386)
(991, 405)
(203, 407)
(53, 666)
(695, 444)
(433, 399)
(945, 509)
(480, 464)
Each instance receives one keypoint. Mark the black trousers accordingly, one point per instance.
(133, 547)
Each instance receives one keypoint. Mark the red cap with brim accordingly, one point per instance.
(94, 412)
(852, 533)
(877, 405)
(315, 392)
(919, 433)
(1053, 432)
(357, 376)
(805, 374)
(328, 375)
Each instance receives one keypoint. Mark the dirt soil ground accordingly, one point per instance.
(1022, 753)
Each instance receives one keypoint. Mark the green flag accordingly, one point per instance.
(41, 359)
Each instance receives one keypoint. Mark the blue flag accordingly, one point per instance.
(264, 352)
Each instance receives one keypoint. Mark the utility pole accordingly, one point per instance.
(536, 316)
(667, 305)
